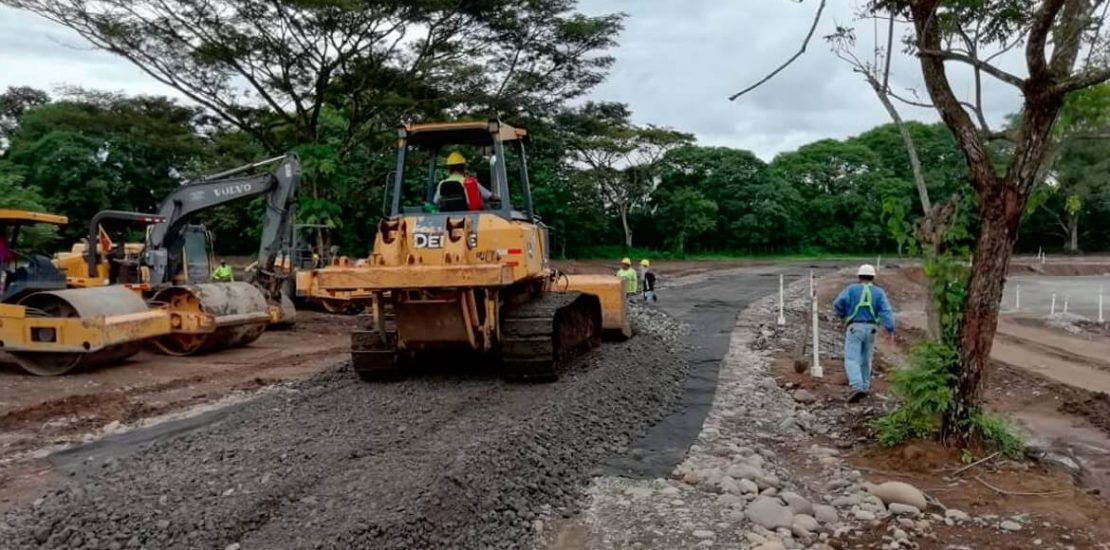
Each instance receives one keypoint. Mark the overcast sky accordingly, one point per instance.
(677, 63)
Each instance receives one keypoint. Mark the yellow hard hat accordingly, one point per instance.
(455, 158)
(645, 263)
(626, 261)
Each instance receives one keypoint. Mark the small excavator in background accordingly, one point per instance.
(448, 277)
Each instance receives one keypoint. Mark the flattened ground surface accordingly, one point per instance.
(438, 461)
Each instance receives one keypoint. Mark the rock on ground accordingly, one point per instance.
(899, 492)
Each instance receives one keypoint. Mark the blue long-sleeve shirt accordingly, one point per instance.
(845, 304)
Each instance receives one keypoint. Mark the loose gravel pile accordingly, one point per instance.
(437, 461)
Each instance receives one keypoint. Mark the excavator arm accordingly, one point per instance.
(163, 250)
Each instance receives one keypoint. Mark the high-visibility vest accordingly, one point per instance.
(864, 302)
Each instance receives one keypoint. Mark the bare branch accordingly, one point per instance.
(802, 50)
(946, 55)
(910, 101)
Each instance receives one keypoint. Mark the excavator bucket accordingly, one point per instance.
(614, 305)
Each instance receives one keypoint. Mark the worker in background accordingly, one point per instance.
(647, 281)
(864, 308)
(628, 278)
(315, 260)
(476, 194)
(223, 273)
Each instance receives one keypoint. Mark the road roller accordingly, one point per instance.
(50, 330)
(461, 263)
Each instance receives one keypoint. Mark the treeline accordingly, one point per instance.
(338, 77)
(600, 182)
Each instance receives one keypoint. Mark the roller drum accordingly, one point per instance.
(224, 301)
(84, 303)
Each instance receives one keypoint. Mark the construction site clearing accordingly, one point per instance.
(94, 442)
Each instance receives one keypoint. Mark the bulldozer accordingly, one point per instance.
(446, 276)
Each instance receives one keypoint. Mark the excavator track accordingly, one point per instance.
(540, 335)
(374, 357)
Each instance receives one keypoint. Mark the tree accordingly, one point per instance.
(1076, 156)
(1072, 27)
(94, 151)
(756, 211)
(684, 214)
(622, 159)
(269, 67)
(13, 103)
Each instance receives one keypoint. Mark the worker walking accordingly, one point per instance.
(223, 273)
(647, 281)
(864, 307)
(628, 278)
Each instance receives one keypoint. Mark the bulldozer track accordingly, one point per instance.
(537, 336)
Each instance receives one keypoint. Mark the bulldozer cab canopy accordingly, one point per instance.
(477, 133)
(495, 156)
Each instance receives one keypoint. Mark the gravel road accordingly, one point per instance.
(438, 461)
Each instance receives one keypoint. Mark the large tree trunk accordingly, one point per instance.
(1000, 214)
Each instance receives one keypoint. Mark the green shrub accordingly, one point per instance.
(926, 391)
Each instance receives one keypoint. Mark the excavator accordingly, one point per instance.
(86, 307)
(446, 276)
(173, 266)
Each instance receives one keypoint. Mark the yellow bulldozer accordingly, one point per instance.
(451, 272)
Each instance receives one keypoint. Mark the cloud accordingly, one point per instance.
(677, 63)
(36, 52)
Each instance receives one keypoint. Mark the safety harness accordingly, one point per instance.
(864, 302)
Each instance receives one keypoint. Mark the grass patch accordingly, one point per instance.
(927, 396)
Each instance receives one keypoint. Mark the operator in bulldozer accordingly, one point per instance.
(460, 191)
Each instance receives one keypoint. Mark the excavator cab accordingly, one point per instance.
(197, 260)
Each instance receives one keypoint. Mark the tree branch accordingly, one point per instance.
(1080, 81)
(1004, 76)
(802, 50)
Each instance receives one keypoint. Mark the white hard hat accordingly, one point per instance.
(866, 270)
